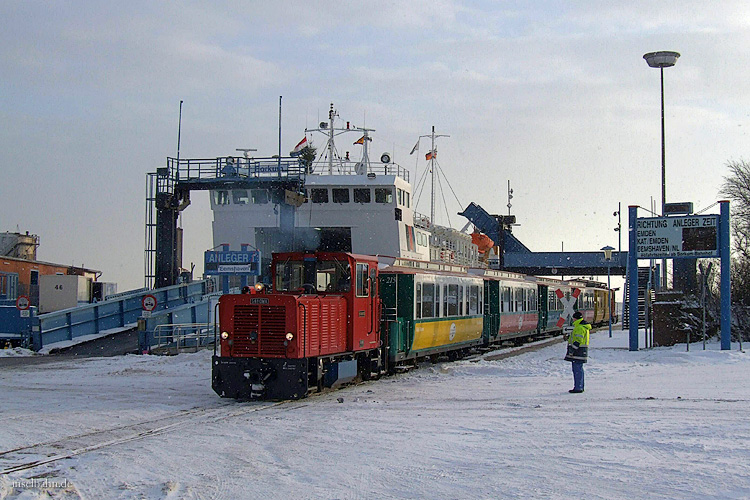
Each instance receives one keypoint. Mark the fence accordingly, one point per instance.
(120, 312)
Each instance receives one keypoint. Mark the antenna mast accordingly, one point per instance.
(432, 154)
(331, 131)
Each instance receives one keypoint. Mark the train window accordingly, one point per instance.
(428, 300)
(319, 195)
(362, 280)
(507, 303)
(418, 300)
(340, 195)
(445, 301)
(452, 298)
(361, 195)
(239, 197)
(473, 300)
(461, 300)
(518, 296)
(383, 195)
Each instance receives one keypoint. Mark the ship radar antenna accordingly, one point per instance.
(331, 131)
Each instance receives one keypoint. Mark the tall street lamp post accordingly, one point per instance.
(661, 60)
(608, 257)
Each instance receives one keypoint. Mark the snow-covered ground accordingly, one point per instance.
(659, 423)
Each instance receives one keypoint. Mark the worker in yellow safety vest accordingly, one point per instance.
(578, 350)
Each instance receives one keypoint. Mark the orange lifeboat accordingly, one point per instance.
(483, 242)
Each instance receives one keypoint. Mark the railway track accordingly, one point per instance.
(42, 453)
(38, 454)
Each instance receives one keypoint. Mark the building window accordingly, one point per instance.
(383, 195)
(318, 195)
(361, 195)
(340, 195)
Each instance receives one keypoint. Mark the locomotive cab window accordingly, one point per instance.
(363, 290)
(289, 276)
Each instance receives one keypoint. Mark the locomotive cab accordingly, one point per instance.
(318, 327)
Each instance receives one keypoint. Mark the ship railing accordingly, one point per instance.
(356, 168)
(189, 169)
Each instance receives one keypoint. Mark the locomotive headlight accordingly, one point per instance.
(259, 286)
(224, 335)
(289, 336)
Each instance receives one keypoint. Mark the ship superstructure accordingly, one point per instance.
(359, 206)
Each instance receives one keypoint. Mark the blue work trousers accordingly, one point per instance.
(577, 375)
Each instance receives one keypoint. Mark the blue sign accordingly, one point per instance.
(232, 262)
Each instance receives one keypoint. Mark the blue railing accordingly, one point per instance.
(201, 312)
(120, 312)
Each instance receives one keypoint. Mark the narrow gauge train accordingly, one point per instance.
(333, 316)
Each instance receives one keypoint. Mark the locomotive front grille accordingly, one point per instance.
(267, 323)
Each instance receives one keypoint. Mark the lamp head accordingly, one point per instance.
(662, 59)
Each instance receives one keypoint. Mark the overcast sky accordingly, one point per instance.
(553, 96)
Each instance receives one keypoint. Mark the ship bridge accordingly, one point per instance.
(169, 193)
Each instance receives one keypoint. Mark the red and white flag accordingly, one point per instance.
(299, 147)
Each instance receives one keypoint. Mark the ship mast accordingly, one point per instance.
(331, 131)
(433, 156)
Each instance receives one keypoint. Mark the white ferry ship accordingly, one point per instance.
(360, 206)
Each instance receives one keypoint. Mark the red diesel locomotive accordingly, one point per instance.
(319, 327)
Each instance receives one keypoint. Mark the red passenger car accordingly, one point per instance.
(319, 326)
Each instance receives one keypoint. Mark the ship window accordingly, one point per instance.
(400, 196)
(239, 197)
(260, 196)
(362, 280)
(383, 195)
(406, 199)
(340, 195)
(318, 195)
(221, 197)
(361, 195)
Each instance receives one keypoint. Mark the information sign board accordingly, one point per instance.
(232, 262)
(674, 237)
